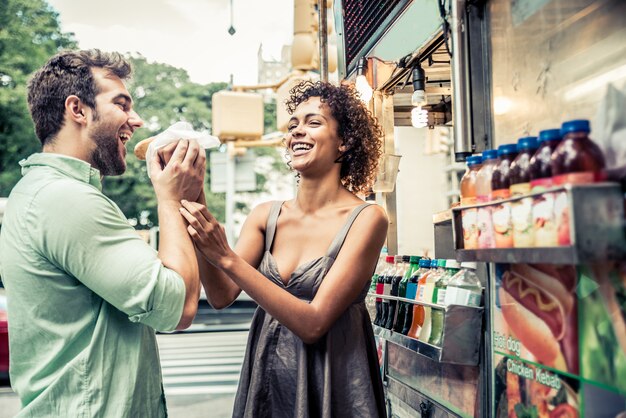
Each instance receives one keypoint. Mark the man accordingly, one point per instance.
(85, 293)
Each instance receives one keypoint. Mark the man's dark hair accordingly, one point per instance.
(65, 74)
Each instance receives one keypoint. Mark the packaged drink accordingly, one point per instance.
(500, 189)
(412, 265)
(402, 264)
(436, 326)
(417, 322)
(380, 290)
(486, 237)
(441, 285)
(372, 304)
(464, 287)
(411, 293)
(544, 222)
(521, 210)
(425, 331)
(468, 197)
(428, 287)
(576, 160)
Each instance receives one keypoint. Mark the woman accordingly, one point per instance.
(307, 262)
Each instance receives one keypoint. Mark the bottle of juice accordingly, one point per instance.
(521, 210)
(544, 222)
(576, 160)
(468, 197)
(500, 189)
(468, 181)
(439, 294)
(403, 263)
(380, 284)
(411, 293)
(419, 314)
(431, 279)
(425, 331)
(385, 288)
(403, 307)
(540, 168)
(464, 287)
(486, 237)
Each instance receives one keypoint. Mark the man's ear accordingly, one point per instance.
(75, 109)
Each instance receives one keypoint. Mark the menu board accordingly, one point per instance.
(559, 340)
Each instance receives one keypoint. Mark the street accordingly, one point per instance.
(200, 374)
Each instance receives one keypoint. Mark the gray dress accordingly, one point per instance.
(338, 376)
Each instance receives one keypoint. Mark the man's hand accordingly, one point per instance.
(178, 171)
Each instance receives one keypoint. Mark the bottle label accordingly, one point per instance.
(521, 220)
(465, 297)
(421, 292)
(485, 228)
(386, 291)
(561, 213)
(544, 222)
(501, 216)
(500, 194)
(520, 189)
(469, 224)
(441, 296)
(468, 201)
(411, 290)
(584, 177)
(435, 294)
(539, 185)
(379, 290)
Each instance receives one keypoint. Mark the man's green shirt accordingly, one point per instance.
(85, 294)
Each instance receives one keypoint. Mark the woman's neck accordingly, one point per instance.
(318, 193)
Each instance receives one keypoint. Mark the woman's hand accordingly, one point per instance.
(207, 234)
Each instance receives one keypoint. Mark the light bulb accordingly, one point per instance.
(419, 117)
(363, 87)
(418, 98)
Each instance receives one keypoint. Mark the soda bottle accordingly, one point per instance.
(374, 308)
(521, 210)
(431, 279)
(425, 331)
(403, 307)
(486, 237)
(464, 287)
(439, 294)
(403, 263)
(381, 290)
(417, 322)
(411, 293)
(500, 189)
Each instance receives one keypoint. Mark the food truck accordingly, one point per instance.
(457, 78)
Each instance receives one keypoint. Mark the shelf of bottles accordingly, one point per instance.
(570, 224)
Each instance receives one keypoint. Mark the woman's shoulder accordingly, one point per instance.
(374, 214)
(261, 212)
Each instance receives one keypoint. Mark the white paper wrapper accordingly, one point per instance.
(179, 130)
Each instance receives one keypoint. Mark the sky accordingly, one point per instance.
(189, 34)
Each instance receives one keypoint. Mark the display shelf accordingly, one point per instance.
(462, 327)
(596, 225)
(411, 301)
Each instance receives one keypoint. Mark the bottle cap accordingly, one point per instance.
(490, 154)
(469, 265)
(452, 264)
(474, 160)
(579, 125)
(389, 259)
(549, 135)
(441, 262)
(415, 259)
(527, 143)
(434, 263)
(424, 262)
(398, 258)
(507, 149)
(406, 258)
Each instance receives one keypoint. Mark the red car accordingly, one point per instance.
(4, 337)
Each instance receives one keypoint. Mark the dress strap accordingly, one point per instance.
(270, 227)
(341, 236)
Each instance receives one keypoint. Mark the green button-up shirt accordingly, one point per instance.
(85, 294)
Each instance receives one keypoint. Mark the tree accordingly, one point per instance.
(29, 34)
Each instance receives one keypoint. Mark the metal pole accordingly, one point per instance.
(460, 83)
(230, 191)
(323, 40)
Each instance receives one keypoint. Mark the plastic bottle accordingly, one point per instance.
(576, 160)
(403, 307)
(374, 308)
(431, 279)
(411, 293)
(464, 287)
(381, 289)
(468, 197)
(543, 219)
(540, 168)
(521, 210)
(425, 331)
(500, 189)
(402, 262)
(486, 237)
(439, 294)
(421, 282)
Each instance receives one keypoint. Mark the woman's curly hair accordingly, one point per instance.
(356, 127)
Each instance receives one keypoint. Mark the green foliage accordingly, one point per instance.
(29, 34)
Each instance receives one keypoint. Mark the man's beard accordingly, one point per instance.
(106, 157)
